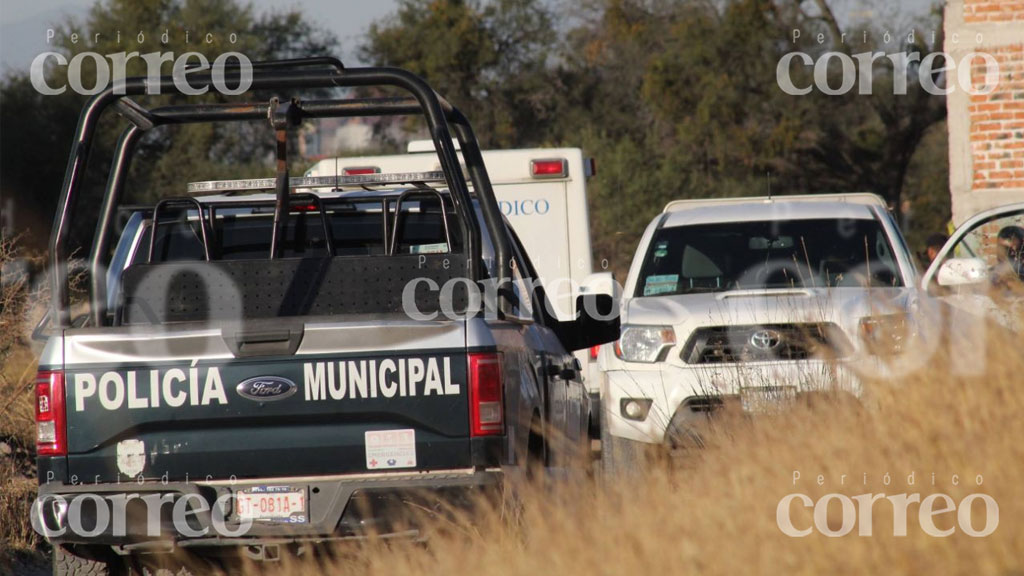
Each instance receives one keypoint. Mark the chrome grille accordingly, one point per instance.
(764, 343)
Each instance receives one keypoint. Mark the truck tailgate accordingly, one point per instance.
(187, 404)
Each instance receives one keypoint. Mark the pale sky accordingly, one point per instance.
(23, 23)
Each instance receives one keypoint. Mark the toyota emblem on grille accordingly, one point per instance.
(765, 339)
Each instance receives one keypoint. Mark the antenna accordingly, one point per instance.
(768, 176)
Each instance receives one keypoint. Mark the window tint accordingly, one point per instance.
(176, 240)
(767, 254)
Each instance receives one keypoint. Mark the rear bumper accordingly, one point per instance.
(155, 516)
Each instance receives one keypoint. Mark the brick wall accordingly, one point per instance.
(986, 131)
(997, 122)
(993, 10)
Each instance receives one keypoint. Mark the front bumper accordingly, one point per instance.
(671, 388)
(155, 516)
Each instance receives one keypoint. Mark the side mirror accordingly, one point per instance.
(601, 283)
(962, 272)
(597, 314)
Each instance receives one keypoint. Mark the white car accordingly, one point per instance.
(980, 269)
(751, 302)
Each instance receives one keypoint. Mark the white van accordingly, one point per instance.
(542, 192)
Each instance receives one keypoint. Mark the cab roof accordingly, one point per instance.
(686, 213)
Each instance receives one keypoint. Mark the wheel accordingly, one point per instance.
(527, 477)
(686, 430)
(67, 563)
(620, 457)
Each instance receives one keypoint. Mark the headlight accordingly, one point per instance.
(886, 335)
(644, 343)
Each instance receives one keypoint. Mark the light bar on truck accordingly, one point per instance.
(221, 186)
(416, 146)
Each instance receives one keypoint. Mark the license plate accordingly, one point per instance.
(272, 504)
(767, 399)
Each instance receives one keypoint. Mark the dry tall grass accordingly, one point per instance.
(715, 512)
(17, 417)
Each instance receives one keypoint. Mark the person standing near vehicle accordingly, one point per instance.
(932, 248)
(1008, 273)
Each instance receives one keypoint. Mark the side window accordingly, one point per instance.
(996, 241)
(996, 245)
(486, 245)
(127, 247)
(522, 306)
(525, 286)
(176, 241)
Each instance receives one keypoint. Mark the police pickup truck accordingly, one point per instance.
(268, 364)
(543, 194)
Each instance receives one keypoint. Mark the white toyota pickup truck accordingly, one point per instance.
(752, 303)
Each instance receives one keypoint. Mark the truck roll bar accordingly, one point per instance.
(398, 214)
(321, 72)
(162, 205)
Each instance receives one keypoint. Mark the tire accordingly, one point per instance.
(521, 480)
(536, 452)
(620, 458)
(687, 429)
(67, 563)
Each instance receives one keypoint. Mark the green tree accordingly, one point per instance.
(686, 92)
(490, 60)
(35, 134)
(40, 127)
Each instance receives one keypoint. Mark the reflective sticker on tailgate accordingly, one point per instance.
(386, 449)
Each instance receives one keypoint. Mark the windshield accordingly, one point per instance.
(767, 254)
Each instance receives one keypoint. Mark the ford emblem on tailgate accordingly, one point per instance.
(266, 388)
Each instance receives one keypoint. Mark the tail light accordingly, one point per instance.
(51, 416)
(594, 351)
(486, 413)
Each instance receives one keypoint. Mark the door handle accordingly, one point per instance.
(283, 341)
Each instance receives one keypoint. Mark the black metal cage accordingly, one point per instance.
(308, 73)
